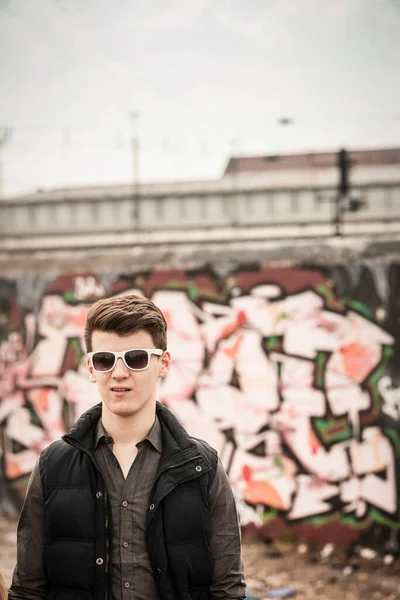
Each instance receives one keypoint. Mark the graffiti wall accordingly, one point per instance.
(288, 372)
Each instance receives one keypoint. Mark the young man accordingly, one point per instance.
(128, 506)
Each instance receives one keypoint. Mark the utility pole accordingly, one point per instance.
(342, 201)
(135, 168)
(5, 136)
(235, 204)
(343, 164)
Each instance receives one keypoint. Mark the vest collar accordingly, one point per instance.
(84, 430)
(176, 442)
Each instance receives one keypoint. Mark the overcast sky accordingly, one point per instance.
(207, 77)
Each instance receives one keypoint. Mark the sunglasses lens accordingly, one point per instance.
(103, 361)
(136, 359)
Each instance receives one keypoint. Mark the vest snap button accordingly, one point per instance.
(99, 495)
(151, 506)
(199, 468)
(99, 561)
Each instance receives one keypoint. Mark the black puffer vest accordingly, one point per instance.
(78, 518)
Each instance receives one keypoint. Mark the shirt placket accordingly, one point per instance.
(127, 530)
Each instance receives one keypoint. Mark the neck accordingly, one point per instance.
(128, 429)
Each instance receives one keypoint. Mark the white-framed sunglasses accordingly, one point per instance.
(136, 359)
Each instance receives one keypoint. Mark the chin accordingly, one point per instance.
(126, 407)
(124, 413)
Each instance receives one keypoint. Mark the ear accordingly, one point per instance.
(92, 376)
(165, 364)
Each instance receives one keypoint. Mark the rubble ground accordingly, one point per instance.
(320, 572)
(315, 572)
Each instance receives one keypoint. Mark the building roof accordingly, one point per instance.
(310, 160)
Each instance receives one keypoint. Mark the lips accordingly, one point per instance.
(120, 389)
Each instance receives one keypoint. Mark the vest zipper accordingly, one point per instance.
(78, 446)
(184, 462)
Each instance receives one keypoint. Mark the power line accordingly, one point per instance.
(235, 117)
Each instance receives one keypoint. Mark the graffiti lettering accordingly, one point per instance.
(391, 397)
(285, 385)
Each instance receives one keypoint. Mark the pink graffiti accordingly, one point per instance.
(250, 402)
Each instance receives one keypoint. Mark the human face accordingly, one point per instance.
(125, 392)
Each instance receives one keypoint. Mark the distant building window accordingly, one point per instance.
(283, 205)
(72, 212)
(270, 204)
(365, 194)
(183, 207)
(116, 207)
(305, 202)
(195, 208)
(395, 196)
(294, 202)
(323, 199)
(249, 204)
(160, 208)
(228, 201)
(377, 197)
(202, 206)
(7, 218)
(173, 209)
(388, 197)
(94, 212)
(32, 215)
(53, 214)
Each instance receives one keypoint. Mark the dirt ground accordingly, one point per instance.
(331, 575)
(319, 572)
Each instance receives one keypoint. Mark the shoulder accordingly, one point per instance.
(55, 452)
(205, 448)
(59, 446)
(209, 454)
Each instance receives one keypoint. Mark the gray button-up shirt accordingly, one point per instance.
(132, 575)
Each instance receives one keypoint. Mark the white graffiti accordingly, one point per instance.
(88, 288)
(256, 404)
(391, 397)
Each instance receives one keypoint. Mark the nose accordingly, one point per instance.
(120, 370)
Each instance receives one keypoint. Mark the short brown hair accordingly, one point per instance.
(124, 315)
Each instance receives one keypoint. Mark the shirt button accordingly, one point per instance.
(125, 504)
(125, 544)
(127, 584)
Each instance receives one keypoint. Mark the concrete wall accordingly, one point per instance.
(291, 373)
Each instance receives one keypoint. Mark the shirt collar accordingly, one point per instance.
(100, 434)
(154, 435)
